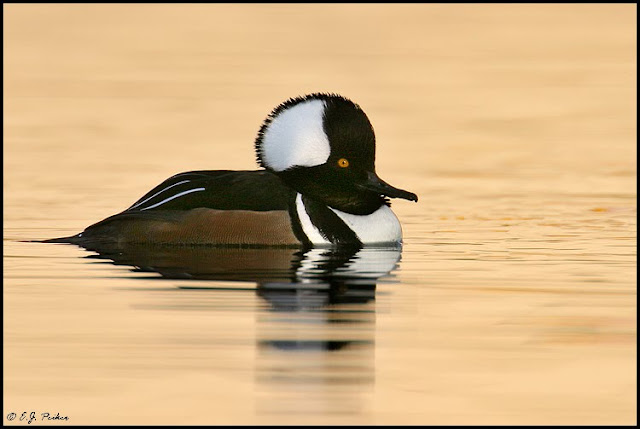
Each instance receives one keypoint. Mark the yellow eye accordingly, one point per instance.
(343, 162)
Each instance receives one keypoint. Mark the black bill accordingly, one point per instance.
(376, 184)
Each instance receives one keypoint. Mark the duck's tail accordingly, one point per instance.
(74, 239)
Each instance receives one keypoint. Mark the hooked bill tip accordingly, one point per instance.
(406, 195)
(376, 184)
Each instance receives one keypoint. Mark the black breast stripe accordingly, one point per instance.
(298, 231)
(329, 224)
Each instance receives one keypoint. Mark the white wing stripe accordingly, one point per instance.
(173, 197)
(158, 193)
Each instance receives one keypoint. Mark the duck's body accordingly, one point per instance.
(319, 187)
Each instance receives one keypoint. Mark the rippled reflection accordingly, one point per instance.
(343, 266)
(317, 327)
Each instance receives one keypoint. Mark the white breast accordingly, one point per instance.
(380, 227)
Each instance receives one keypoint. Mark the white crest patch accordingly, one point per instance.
(380, 227)
(295, 137)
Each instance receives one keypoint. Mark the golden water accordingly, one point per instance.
(514, 301)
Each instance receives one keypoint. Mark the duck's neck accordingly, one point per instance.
(321, 190)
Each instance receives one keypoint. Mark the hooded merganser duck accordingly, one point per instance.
(318, 187)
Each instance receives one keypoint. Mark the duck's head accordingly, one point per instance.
(323, 146)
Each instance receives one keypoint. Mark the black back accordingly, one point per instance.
(220, 189)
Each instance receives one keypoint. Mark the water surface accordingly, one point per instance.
(512, 301)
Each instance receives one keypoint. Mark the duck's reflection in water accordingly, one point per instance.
(316, 347)
(315, 336)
